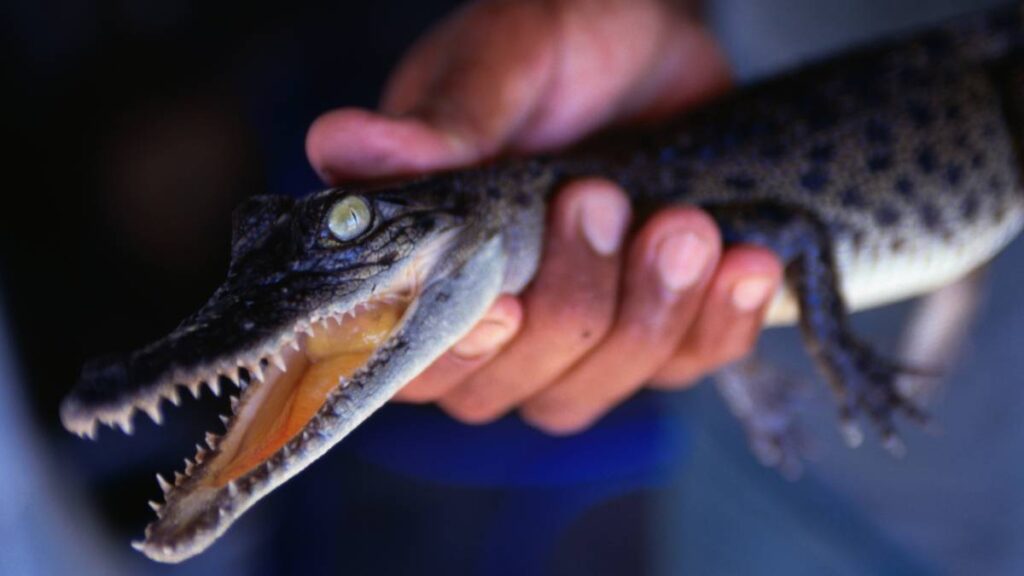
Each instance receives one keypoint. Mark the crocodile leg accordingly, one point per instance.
(863, 381)
(767, 401)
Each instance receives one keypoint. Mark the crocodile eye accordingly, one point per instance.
(349, 217)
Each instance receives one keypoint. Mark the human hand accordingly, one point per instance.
(602, 317)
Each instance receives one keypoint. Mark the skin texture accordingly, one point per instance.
(508, 77)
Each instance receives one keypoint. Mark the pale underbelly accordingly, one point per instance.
(876, 276)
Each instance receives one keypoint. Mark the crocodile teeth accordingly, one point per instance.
(90, 431)
(179, 477)
(153, 410)
(173, 397)
(224, 420)
(156, 506)
(165, 486)
(196, 388)
(126, 425)
(277, 360)
(211, 440)
(241, 376)
(214, 386)
(256, 371)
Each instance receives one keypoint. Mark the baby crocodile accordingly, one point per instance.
(876, 176)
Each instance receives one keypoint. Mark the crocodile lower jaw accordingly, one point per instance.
(270, 422)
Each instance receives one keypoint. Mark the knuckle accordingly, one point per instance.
(682, 382)
(680, 373)
(555, 422)
(648, 330)
(579, 324)
(730, 354)
(692, 219)
(471, 409)
(735, 346)
(414, 396)
(574, 190)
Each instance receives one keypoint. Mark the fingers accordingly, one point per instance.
(457, 97)
(730, 319)
(568, 308)
(467, 356)
(670, 265)
(592, 336)
(618, 60)
(351, 144)
(481, 74)
(525, 75)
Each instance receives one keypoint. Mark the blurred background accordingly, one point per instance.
(135, 128)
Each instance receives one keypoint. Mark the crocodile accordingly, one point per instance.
(876, 175)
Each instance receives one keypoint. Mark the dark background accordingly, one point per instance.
(138, 126)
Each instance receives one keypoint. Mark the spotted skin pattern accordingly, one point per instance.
(863, 381)
(882, 175)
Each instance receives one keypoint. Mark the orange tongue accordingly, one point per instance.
(331, 354)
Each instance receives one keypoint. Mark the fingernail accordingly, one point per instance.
(604, 218)
(485, 338)
(681, 260)
(750, 294)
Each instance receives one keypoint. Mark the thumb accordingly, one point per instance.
(459, 96)
(522, 75)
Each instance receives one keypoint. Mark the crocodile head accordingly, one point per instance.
(331, 304)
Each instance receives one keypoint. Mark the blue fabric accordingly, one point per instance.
(548, 483)
(635, 441)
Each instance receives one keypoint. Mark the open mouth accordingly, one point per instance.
(270, 422)
(307, 380)
(295, 385)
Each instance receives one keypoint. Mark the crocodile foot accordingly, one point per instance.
(768, 403)
(867, 384)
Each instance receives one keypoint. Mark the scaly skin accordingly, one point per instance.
(874, 177)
